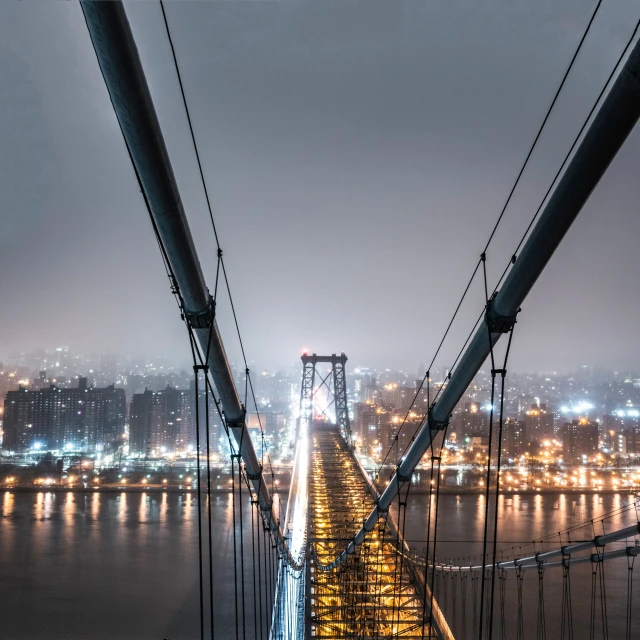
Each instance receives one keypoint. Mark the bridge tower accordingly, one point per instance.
(330, 384)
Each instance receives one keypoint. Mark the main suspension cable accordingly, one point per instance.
(568, 154)
(516, 183)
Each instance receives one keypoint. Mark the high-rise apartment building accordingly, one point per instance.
(53, 419)
(579, 438)
(161, 422)
(539, 422)
(514, 438)
(629, 441)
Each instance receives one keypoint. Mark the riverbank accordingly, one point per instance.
(118, 488)
(284, 490)
(528, 491)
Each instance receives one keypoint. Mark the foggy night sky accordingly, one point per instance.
(357, 154)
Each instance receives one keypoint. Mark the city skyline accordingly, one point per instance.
(165, 362)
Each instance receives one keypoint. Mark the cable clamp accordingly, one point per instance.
(202, 319)
(434, 424)
(239, 422)
(498, 323)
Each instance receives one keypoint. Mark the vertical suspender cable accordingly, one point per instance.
(503, 373)
(260, 583)
(520, 624)
(198, 500)
(235, 553)
(630, 562)
(541, 628)
(253, 564)
(207, 426)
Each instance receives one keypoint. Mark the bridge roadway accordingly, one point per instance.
(376, 592)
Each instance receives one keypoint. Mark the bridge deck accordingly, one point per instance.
(372, 594)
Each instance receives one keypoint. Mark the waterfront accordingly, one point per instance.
(106, 566)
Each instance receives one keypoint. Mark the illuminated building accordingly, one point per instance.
(366, 422)
(161, 422)
(397, 397)
(473, 420)
(52, 419)
(371, 392)
(629, 441)
(514, 437)
(579, 438)
(539, 422)
(480, 444)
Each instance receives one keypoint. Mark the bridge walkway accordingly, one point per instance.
(374, 593)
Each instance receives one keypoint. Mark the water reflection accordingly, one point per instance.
(69, 509)
(164, 506)
(143, 508)
(95, 506)
(136, 574)
(122, 507)
(7, 504)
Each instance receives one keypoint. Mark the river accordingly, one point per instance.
(103, 566)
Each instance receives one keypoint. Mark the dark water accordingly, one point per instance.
(119, 566)
(112, 566)
(523, 518)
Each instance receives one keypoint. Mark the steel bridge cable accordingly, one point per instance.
(502, 372)
(522, 168)
(596, 138)
(179, 300)
(630, 563)
(496, 506)
(544, 122)
(199, 504)
(202, 178)
(253, 555)
(435, 519)
(165, 258)
(193, 137)
(211, 217)
(569, 153)
(209, 517)
(517, 181)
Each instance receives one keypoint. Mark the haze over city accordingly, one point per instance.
(355, 164)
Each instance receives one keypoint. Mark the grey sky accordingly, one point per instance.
(357, 153)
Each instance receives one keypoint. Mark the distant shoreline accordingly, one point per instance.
(111, 489)
(285, 490)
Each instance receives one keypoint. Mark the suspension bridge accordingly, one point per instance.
(332, 561)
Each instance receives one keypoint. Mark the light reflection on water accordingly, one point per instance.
(124, 565)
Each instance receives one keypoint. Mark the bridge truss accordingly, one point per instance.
(334, 383)
(374, 593)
